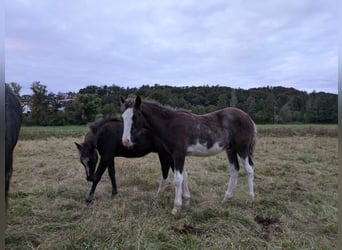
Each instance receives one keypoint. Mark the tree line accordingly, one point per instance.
(265, 105)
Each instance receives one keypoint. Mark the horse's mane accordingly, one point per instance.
(130, 103)
(95, 126)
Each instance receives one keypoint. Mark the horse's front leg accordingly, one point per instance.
(90, 195)
(178, 182)
(111, 173)
(98, 175)
(165, 163)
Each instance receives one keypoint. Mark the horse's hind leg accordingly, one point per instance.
(178, 181)
(185, 188)
(111, 173)
(234, 173)
(248, 165)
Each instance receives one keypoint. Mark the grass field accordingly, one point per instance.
(295, 205)
(284, 130)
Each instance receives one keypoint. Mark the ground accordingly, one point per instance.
(295, 205)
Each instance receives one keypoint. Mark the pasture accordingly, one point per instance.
(296, 171)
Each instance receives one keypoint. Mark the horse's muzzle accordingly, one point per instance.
(127, 143)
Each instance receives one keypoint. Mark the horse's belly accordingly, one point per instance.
(199, 149)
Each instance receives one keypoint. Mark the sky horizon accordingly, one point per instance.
(70, 45)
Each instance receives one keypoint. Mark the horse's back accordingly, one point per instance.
(108, 137)
(237, 119)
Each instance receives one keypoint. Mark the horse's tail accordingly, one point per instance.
(252, 145)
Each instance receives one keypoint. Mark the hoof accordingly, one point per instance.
(160, 190)
(175, 210)
(186, 202)
(250, 200)
(88, 201)
(114, 194)
(249, 203)
(226, 199)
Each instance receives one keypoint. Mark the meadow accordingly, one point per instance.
(296, 171)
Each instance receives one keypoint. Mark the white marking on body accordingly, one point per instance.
(128, 122)
(199, 149)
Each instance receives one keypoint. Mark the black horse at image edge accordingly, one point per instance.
(13, 120)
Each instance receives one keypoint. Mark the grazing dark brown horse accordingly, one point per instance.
(184, 133)
(105, 137)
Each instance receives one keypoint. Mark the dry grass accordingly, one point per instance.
(295, 183)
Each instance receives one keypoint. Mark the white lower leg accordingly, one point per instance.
(250, 175)
(178, 181)
(232, 182)
(186, 192)
(161, 185)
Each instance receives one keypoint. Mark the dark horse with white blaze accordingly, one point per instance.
(184, 133)
(104, 137)
(13, 119)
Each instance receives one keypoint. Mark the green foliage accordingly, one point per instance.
(86, 106)
(267, 105)
(39, 104)
(15, 87)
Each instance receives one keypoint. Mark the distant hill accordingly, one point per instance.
(265, 105)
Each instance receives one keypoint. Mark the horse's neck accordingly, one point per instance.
(157, 117)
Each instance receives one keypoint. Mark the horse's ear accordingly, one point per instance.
(137, 102)
(79, 146)
(122, 99)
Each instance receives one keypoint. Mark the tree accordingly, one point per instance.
(285, 114)
(233, 99)
(16, 88)
(251, 106)
(39, 104)
(222, 101)
(86, 107)
(322, 108)
(270, 108)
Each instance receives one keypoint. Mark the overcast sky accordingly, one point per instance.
(68, 45)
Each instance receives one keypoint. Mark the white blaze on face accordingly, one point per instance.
(128, 122)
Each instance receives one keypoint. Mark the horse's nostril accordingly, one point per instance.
(126, 142)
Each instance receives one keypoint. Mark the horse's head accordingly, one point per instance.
(133, 120)
(88, 158)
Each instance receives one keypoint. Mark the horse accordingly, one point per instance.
(184, 133)
(104, 137)
(13, 120)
